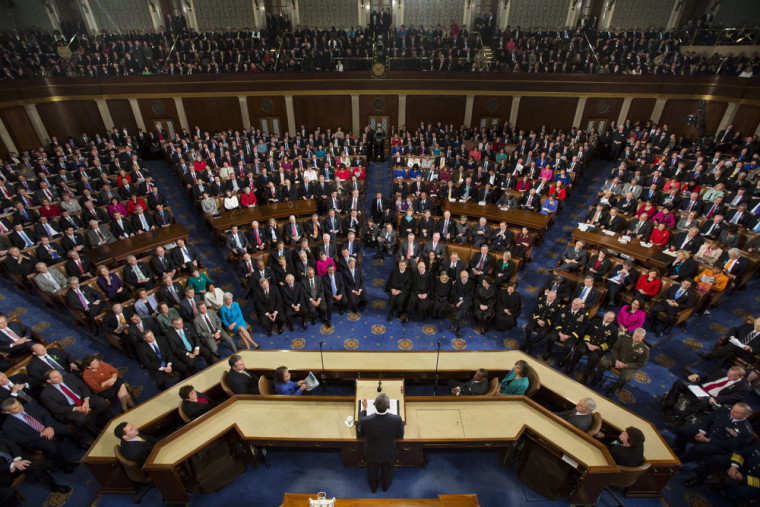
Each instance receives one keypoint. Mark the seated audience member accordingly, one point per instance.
(586, 292)
(19, 465)
(53, 358)
(185, 256)
(195, 404)
(441, 296)
(103, 380)
(22, 425)
(210, 329)
(284, 385)
(516, 381)
(598, 265)
(483, 307)
(682, 267)
(239, 380)
(743, 343)
(214, 297)
(631, 317)
(740, 466)
(660, 236)
(706, 394)
(71, 402)
(542, 318)
(567, 328)
(15, 338)
(648, 286)
(574, 257)
(627, 449)
(675, 299)
(721, 431)
(508, 308)
(112, 286)
(17, 386)
(135, 446)
(232, 318)
(159, 359)
(628, 355)
(187, 345)
(48, 280)
(476, 386)
(463, 295)
(199, 281)
(165, 317)
(600, 335)
(580, 415)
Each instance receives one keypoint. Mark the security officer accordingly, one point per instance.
(600, 337)
(542, 317)
(568, 327)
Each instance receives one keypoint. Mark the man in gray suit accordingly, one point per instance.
(211, 330)
(236, 241)
(98, 235)
(49, 281)
(435, 246)
(580, 416)
(574, 257)
(386, 241)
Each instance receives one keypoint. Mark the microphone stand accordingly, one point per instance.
(324, 377)
(435, 378)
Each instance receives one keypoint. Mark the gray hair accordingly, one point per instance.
(227, 296)
(590, 403)
(640, 330)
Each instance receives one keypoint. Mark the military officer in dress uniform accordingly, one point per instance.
(600, 336)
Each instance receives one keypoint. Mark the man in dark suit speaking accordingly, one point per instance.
(380, 432)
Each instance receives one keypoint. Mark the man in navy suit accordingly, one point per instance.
(135, 446)
(239, 380)
(33, 428)
(380, 431)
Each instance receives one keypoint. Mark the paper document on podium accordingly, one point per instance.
(393, 409)
(311, 382)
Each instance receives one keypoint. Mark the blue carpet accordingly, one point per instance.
(464, 471)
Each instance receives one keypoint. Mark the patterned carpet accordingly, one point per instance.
(447, 472)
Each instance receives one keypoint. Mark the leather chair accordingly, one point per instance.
(265, 386)
(596, 424)
(626, 478)
(182, 415)
(135, 474)
(225, 386)
(493, 385)
(534, 383)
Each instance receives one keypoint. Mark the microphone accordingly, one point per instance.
(321, 342)
(379, 386)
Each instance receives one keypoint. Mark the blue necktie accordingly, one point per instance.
(334, 288)
(679, 292)
(184, 340)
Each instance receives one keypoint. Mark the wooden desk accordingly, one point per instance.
(262, 214)
(646, 256)
(302, 500)
(534, 221)
(437, 422)
(119, 250)
(154, 412)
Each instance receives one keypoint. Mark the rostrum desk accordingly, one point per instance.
(430, 422)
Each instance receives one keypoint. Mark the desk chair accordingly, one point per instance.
(534, 383)
(135, 474)
(182, 415)
(626, 478)
(265, 386)
(225, 387)
(493, 385)
(596, 424)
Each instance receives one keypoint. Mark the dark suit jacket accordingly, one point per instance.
(138, 451)
(19, 378)
(175, 341)
(179, 259)
(240, 383)
(18, 328)
(37, 367)
(591, 298)
(73, 300)
(149, 358)
(580, 421)
(23, 434)
(380, 433)
(56, 402)
(624, 456)
(166, 296)
(194, 409)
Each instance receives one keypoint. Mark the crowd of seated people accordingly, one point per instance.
(174, 49)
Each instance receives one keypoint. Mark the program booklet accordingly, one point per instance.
(311, 382)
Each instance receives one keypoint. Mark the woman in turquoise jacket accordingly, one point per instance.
(516, 382)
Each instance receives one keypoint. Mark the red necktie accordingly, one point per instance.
(258, 241)
(34, 423)
(73, 397)
(719, 383)
(79, 265)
